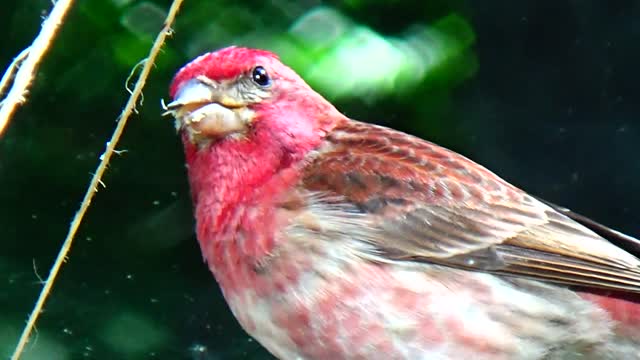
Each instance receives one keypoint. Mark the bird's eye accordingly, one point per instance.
(259, 76)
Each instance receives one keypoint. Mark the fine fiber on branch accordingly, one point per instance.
(24, 67)
(96, 180)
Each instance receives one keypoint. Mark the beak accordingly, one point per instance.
(203, 109)
(192, 93)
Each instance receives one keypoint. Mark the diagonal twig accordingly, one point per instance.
(10, 73)
(96, 179)
(27, 69)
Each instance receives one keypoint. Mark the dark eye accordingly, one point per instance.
(259, 76)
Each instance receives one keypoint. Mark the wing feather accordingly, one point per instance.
(421, 202)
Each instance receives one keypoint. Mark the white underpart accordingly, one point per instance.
(258, 311)
(478, 315)
(527, 320)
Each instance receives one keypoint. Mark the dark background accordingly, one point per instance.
(543, 93)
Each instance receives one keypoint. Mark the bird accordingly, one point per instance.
(332, 238)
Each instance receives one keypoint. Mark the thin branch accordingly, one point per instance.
(26, 73)
(96, 179)
(9, 75)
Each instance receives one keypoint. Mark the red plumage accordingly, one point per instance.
(224, 64)
(332, 238)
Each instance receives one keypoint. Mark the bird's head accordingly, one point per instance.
(232, 92)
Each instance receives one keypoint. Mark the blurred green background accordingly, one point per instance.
(543, 93)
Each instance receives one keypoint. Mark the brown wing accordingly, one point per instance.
(425, 203)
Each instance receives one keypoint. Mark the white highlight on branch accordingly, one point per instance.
(28, 66)
(96, 179)
(11, 71)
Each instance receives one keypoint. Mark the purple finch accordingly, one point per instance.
(336, 239)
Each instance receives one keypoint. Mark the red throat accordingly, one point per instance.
(232, 175)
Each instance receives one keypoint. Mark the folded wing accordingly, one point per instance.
(421, 202)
